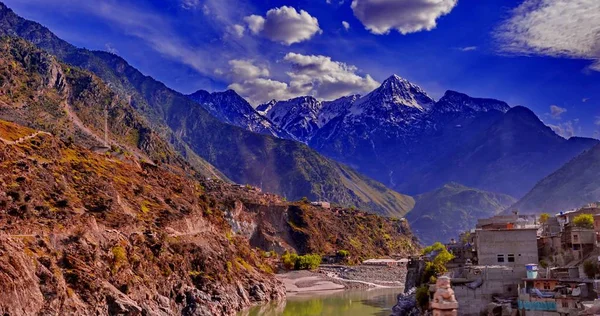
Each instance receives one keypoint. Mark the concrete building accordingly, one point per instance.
(507, 247)
(580, 241)
(478, 286)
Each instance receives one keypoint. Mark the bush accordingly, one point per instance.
(544, 217)
(306, 262)
(422, 297)
(119, 258)
(289, 260)
(343, 253)
(584, 221)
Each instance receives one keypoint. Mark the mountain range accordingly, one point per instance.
(102, 214)
(354, 151)
(276, 165)
(405, 139)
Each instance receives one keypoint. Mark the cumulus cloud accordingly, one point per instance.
(284, 25)
(556, 111)
(328, 79)
(557, 28)
(314, 75)
(346, 25)
(405, 16)
(258, 90)
(245, 69)
(237, 30)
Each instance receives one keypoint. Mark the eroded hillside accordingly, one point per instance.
(88, 233)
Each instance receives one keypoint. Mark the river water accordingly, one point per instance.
(376, 302)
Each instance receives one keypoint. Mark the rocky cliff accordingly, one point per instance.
(99, 233)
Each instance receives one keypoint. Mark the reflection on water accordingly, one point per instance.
(350, 303)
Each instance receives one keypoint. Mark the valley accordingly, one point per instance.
(327, 193)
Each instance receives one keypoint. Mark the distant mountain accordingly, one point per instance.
(279, 166)
(509, 156)
(231, 108)
(302, 117)
(299, 116)
(446, 212)
(573, 185)
(401, 137)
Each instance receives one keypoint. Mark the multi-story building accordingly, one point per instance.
(515, 247)
(580, 241)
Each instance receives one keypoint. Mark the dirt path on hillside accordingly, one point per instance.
(23, 139)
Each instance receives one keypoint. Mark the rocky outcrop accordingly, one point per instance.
(91, 234)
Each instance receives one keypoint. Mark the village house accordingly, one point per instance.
(507, 241)
(578, 240)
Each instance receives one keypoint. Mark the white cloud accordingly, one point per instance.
(245, 69)
(328, 79)
(190, 4)
(259, 90)
(284, 25)
(566, 129)
(314, 75)
(346, 25)
(256, 23)
(237, 30)
(468, 48)
(556, 111)
(557, 28)
(110, 48)
(405, 16)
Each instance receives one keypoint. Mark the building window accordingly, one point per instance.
(546, 286)
(511, 257)
(500, 258)
(576, 247)
(575, 238)
(565, 304)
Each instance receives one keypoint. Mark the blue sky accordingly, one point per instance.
(542, 54)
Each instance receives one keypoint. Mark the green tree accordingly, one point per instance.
(437, 265)
(584, 221)
(544, 218)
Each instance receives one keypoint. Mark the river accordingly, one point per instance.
(376, 302)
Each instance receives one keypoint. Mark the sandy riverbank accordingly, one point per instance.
(331, 278)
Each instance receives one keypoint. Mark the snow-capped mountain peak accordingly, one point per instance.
(230, 107)
(396, 93)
